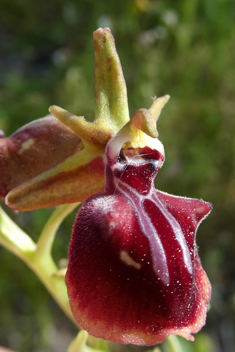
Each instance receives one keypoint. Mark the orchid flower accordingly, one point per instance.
(134, 274)
(144, 280)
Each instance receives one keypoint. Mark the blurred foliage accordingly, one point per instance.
(182, 48)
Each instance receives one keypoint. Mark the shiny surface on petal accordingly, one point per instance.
(33, 149)
(134, 275)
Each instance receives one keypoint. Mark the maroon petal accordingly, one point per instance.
(134, 275)
(33, 149)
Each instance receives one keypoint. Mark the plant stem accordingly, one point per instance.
(174, 344)
(14, 239)
(47, 236)
(38, 257)
(43, 264)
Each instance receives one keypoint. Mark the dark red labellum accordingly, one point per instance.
(134, 275)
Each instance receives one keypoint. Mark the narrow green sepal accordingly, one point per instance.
(95, 135)
(110, 87)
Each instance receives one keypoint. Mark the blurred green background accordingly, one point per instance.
(184, 48)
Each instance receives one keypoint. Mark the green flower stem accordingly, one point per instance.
(14, 239)
(86, 343)
(45, 269)
(174, 344)
(38, 257)
(79, 343)
(98, 344)
(48, 233)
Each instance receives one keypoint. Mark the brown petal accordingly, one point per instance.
(33, 149)
(73, 180)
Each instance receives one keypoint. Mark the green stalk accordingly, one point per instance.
(48, 233)
(38, 256)
(174, 344)
(14, 239)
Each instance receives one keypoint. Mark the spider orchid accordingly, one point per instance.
(134, 274)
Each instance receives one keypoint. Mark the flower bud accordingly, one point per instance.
(33, 149)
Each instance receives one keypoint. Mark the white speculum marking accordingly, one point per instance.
(26, 145)
(147, 227)
(124, 256)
